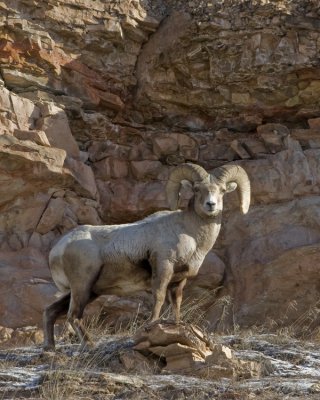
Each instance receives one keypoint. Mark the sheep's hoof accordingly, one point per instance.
(48, 348)
(172, 321)
(48, 353)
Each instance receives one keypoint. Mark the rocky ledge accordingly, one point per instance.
(166, 361)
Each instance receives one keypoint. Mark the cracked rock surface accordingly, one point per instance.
(100, 100)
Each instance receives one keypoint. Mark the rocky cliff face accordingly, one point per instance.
(99, 100)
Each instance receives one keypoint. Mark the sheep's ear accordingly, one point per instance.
(231, 186)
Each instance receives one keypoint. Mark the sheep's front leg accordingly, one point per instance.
(160, 281)
(175, 296)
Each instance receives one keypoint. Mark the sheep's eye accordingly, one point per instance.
(196, 189)
(223, 190)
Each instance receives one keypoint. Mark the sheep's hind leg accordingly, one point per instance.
(50, 315)
(79, 300)
(175, 297)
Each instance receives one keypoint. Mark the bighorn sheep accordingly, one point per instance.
(159, 252)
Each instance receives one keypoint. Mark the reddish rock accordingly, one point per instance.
(168, 333)
(111, 168)
(110, 100)
(255, 147)
(141, 152)
(266, 264)
(145, 169)
(314, 123)
(82, 211)
(31, 165)
(277, 129)
(210, 277)
(186, 351)
(133, 361)
(164, 146)
(309, 138)
(97, 81)
(5, 101)
(25, 287)
(239, 149)
(188, 147)
(54, 123)
(51, 216)
(83, 174)
(26, 112)
(38, 137)
(102, 150)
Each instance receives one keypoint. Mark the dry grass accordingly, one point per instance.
(76, 374)
(66, 373)
(194, 311)
(304, 327)
(67, 377)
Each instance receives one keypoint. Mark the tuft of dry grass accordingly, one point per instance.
(194, 311)
(304, 327)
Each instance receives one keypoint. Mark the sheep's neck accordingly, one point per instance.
(205, 230)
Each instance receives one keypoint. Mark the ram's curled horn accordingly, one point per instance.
(235, 173)
(190, 172)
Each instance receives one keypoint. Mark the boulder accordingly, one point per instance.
(25, 287)
(51, 216)
(55, 124)
(36, 136)
(187, 351)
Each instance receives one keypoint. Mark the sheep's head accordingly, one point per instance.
(209, 189)
(208, 197)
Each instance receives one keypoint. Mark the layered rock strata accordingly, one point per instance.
(99, 101)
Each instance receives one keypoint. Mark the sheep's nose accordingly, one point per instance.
(211, 204)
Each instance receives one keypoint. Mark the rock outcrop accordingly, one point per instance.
(100, 100)
(186, 350)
